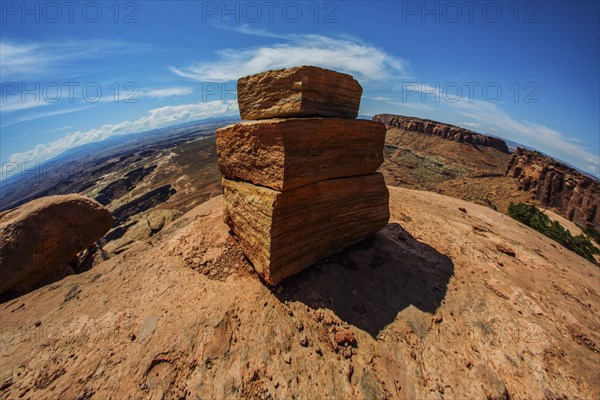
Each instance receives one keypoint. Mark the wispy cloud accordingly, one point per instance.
(397, 102)
(491, 117)
(18, 103)
(60, 128)
(471, 125)
(365, 62)
(156, 118)
(37, 115)
(248, 30)
(167, 92)
(23, 60)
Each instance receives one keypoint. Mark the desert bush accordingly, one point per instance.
(593, 233)
(531, 216)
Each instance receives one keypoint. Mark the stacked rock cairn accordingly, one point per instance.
(300, 180)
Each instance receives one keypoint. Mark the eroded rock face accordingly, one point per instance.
(287, 153)
(285, 232)
(440, 129)
(39, 238)
(298, 92)
(557, 185)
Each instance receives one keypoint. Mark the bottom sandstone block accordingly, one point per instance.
(284, 232)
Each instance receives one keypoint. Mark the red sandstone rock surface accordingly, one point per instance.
(436, 310)
(304, 91)
(300, 189)
(283, 233)
(38, 239)
(286, 153)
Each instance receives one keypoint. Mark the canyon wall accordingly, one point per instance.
(440, 129)
(557, 185)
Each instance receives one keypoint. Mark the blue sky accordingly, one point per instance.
(84, 71)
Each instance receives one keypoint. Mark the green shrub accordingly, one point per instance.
(593, 233)
(531, 216)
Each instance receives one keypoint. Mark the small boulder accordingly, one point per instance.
(39, 238)
(151, 223)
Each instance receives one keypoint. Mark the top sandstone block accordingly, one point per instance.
(298, 92)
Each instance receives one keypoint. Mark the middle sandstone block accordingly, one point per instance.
(287, 153)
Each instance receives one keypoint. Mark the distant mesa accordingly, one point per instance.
(300, 189)
(40, 238)
(554, 184)
(445, 131)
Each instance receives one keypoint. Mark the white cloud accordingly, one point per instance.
(20, 59)
(471, 125)
(21, 102)
(396, 102)
(412, 106)
(538, 136)
(157, 118)
(18, 103)
(366, 63)
(167, 92)
(38, 115)
(23, 60)
(247, 30)
(60, 128)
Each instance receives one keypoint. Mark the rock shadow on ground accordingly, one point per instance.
(369, 283)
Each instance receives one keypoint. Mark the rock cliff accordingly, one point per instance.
(440, 129)
(554, 184)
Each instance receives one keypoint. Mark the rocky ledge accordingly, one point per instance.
(554, 184)
(440, 129)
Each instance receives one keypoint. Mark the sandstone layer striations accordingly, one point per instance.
(283, 232)
(442, 130)
(39, 238)
(287, 153)
(298, 92)
(300, 189)
(554, 184)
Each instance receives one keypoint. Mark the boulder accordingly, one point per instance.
(287, 153)
(282, 233)
(298, 92)
(150, 223)
(39, 238)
